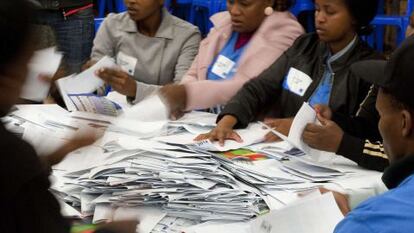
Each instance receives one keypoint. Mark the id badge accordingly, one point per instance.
(297, 82)
(223, 66)
(127, 63)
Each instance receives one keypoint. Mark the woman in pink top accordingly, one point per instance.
(244, 42)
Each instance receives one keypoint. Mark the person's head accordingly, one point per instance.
(337, 20)
(395, 100)
(248, 15)
(16, 49)
(140, 10)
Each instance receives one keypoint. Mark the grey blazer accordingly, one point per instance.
(161, 59)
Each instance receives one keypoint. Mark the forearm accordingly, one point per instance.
(363, 152)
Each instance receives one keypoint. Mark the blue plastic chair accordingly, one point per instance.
(182, 8)
(301, 6)
(167, 4)
(398, 21)
(200, 14)
(120, 6)
(98, 22)
(104, 6)
(217, 6)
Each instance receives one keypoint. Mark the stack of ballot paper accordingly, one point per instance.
(44, 63)
(184, 183)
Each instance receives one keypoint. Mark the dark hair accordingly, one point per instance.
(15, 16)
(282, 5)
(363, 12)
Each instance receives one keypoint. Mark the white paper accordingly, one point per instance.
(146, 119)
(317, 215)
(44, 62)
(87, 81)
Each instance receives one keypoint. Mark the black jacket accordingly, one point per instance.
(59, 4)
(26, 203)
(362, 141)
(265, 93)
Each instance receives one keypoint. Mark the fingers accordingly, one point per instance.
(273, 123)
(115, 78)
(176, 115)
(221, 136)
(271, 137)
(202, 137)
(45, 78)
(323, 111)
(313, 128)
(322, 119)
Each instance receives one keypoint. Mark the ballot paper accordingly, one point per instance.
(183, 183)
(86, 81)
(44, 63)
(77, 91)
(254, 133)
(306, 115)
(148, 118)
(315, 215)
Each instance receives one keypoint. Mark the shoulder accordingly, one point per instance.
(306, 45)
(365, 51)
(181, 26)
(117, 17)
(387, 211)
(281, 22)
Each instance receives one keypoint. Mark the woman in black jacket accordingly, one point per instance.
(315, 70)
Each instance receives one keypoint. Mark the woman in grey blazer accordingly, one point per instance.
(152, 48)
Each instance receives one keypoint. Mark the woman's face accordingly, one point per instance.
(247, 15)
(139, 10)
(333, 20)
(12, 79)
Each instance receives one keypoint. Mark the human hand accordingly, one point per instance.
(176, 98)
(323, 111)
(119, 80)
(75, 143)
(340, 199)
(280, 125)
(127, 226)
(326, 137)
(88, 64)
(223, 131)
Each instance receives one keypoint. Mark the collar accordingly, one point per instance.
(397, 172)
(341, 58)
(165, 30)
(336, 56)
(222, 22)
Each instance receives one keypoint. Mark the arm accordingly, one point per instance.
(256, 94)
(185, 58)
(369, 152)
(370, 155)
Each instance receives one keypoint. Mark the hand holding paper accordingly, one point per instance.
(326, 137)
(44, 63)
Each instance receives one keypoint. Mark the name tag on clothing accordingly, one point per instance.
(127, 63)
(297, 82)
(223, 66)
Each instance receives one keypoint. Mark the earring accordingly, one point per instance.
(268, 11)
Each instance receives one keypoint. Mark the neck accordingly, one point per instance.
(341, 44)
(149, 26)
